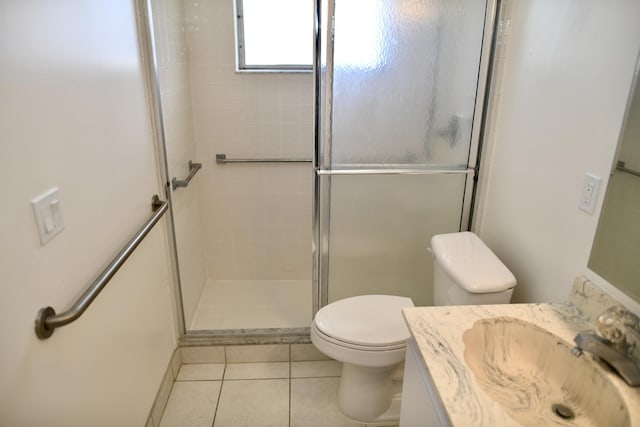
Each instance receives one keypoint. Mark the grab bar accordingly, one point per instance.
(193, 169)
(620, 165)
(222, 159)
(47, 320)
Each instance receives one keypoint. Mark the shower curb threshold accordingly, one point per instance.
(245, 337)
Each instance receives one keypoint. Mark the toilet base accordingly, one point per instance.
(371, 395)
(390, 418)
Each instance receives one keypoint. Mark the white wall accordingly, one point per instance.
(564, 71)
(73, 115)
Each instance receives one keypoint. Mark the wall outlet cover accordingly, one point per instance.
(589, 193)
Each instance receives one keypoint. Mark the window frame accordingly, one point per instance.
(241, 65)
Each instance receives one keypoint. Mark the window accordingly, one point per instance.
(361, 35)
(274, 35)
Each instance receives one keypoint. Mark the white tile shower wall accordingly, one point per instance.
(175, 88)
(258, 217)
(557, 104)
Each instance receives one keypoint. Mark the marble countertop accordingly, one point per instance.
(438, 333)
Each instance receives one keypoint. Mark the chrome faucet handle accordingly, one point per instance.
(621, 327)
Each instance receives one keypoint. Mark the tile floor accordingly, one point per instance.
(247, 304)
(286, 394)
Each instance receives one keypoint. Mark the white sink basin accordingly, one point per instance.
(533, 376)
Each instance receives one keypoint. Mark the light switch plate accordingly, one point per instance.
(47, 210)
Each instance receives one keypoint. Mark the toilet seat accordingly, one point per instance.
(352, 346)
(366, 322)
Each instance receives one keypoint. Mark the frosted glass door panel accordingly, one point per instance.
(381, 227)
(404, 82)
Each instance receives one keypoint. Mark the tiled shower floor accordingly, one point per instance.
(248, 304)
(274, 394)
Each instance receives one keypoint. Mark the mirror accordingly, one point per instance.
(615, 254)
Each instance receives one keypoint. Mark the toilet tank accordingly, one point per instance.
(467, 272)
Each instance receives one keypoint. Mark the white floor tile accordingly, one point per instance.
(306, 352)
(254, 403)
(245, 371)
(201, 372)
(257, 353)
(324, 368)
(384, 425)
(313, 404)
(202, 354)
(191, 404)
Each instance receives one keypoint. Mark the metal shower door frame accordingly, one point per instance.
(323, 98)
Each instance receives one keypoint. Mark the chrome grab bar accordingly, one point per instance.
(47, 320)
(466, 171)
(193, 169)
(620, 165)
(222, 159)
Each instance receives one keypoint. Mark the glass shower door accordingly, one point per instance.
(396, 90)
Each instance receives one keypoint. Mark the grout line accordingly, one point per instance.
(248, 363)
(256, 379)
(289, 401)
(290, 358)
(318, 376)
(215, 414)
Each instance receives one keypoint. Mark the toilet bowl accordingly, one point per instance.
(368, 335)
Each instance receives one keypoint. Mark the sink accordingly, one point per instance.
(533, 376)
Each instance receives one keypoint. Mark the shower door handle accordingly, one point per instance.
(222, 159)
(193, 169)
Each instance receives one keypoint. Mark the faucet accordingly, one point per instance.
(614, 342)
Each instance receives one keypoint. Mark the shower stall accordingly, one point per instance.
(397, 147)
(295, 189)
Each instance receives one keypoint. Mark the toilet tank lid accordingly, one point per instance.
(471, 263)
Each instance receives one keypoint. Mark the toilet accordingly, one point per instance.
(368, 335)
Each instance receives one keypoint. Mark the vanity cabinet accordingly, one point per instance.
(421, 406)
